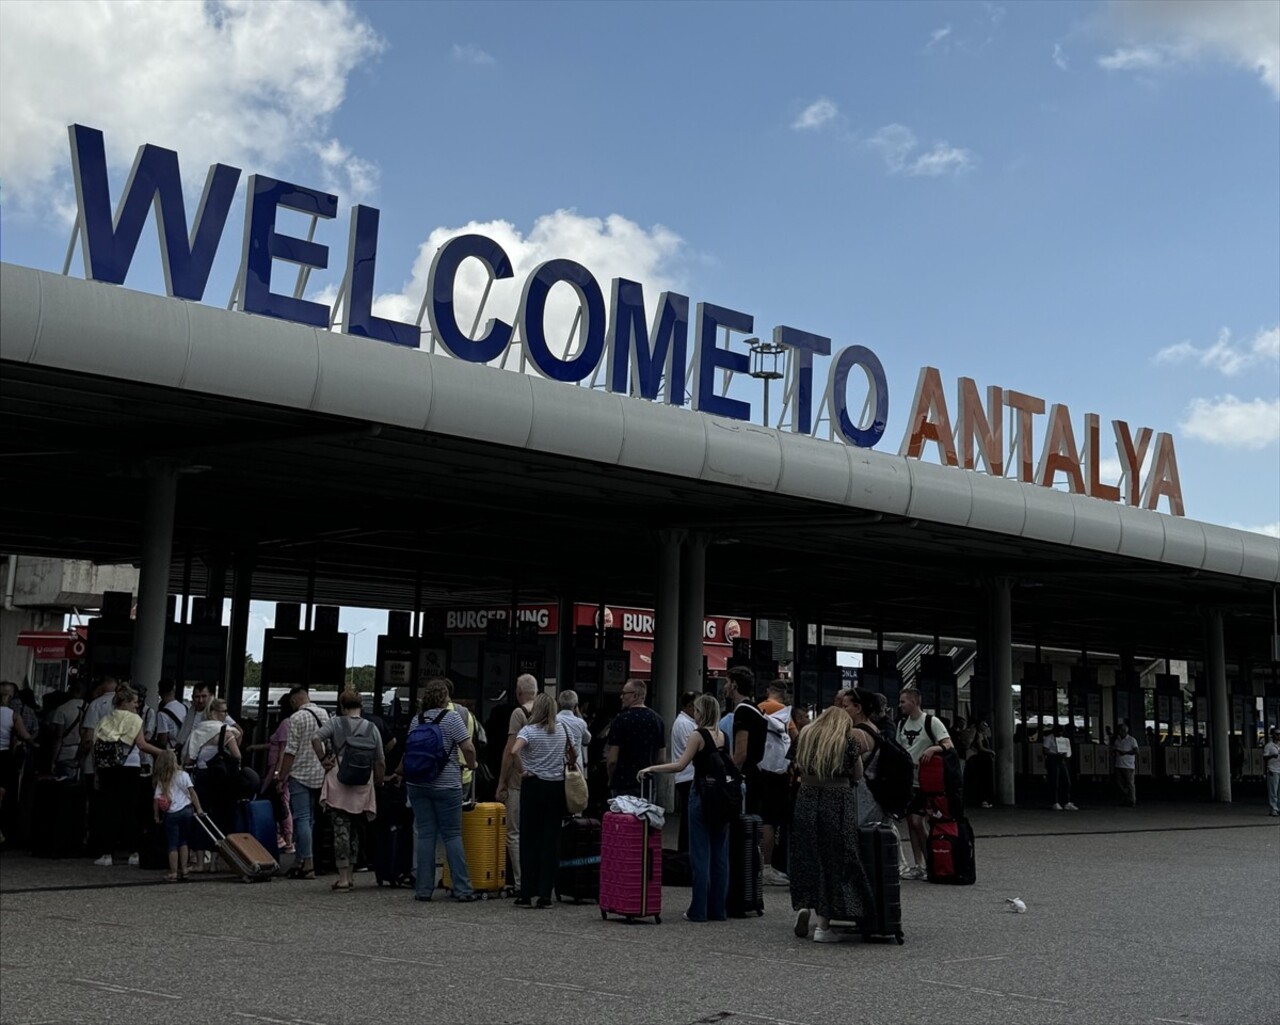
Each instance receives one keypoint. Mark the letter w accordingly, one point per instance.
(108, 243)
(658, 355)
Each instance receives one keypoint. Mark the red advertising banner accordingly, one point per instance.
(637, 624)
(54, 645)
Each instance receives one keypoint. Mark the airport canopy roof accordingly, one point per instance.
(376, 466)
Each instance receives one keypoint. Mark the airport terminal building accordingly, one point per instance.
(512, 516)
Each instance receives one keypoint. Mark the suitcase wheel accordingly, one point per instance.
(604, 915)
(900, 941)
(657, 919)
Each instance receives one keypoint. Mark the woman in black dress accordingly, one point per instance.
(827, 875)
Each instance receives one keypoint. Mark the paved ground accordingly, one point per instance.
(1161, 915)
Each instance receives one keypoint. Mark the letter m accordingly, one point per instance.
(658, 355)
(108, 242)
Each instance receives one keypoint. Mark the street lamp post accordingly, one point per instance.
(351, 659)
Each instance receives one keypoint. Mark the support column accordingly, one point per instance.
(147, 663)
(238, 641)
(1215, 668)
(693, 593)
(1001, 624)
(666, 680)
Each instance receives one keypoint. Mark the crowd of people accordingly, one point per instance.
(158, 771)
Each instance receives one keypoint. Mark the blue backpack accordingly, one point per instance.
(426, 752)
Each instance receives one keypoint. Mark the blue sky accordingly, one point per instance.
(1079, 201)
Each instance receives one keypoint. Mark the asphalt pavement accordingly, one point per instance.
(1163, 914)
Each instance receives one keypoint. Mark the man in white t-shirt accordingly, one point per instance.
(1124, 750)
(1271, 766)
(925, 738)
(681, 730)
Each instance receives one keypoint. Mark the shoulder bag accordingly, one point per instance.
(576, 794)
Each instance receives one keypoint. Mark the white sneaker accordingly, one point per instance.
(821, 935)
(802, 923)
(1070, 807)
(1057, 807)
(770, 876)
(133, 861)
(914, 872)
(986, 804)
(104, 861)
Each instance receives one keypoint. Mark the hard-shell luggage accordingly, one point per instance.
(241, 851)
(484, 841)
(57, 829)
(746, 879)
(258, 818)
(630, 868)
(950, 853)
(390, 837)
(578, 875)
(879, 848)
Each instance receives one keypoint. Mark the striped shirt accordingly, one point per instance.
(543, 754)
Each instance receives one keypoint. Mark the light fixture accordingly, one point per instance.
(765, 360)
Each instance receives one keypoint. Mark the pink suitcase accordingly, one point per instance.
(630, 868)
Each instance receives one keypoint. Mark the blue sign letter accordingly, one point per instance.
(262, 245)
(362, 260)
(657, 355)
(109, 243)
(708, 359)
(444, 322)
(805, 345)
(533, 328)
(858, 356)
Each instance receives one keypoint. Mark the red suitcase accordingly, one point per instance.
(630, 868)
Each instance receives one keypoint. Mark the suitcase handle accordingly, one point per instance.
(210, 827)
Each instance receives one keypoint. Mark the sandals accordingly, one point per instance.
(173, 878)
(340, 888)
(297, 872)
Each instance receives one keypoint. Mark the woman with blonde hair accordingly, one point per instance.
(117, 745)
(542, 747)
(708, 833)
(827, 875)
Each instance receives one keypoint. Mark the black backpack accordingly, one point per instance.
(894, 778)
(359, 752)
(720, 788)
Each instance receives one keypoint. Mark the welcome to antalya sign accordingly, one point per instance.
(641, 360)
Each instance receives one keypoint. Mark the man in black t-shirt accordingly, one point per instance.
(637, 738)
(749, 731)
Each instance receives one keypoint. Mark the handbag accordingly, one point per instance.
(163, 802)
(576, 794)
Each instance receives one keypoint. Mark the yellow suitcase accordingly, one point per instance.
(484, 839)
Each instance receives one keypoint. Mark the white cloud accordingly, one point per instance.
(1234, 423)
(1059, 57)
(609, 247)
(1270, 529)
(470, 54)
(245, 83)
(937, 36)
(814, 116)
(942, 159)
(1224, 355)
(1134, 58)
(1244, 33)
(897, 146)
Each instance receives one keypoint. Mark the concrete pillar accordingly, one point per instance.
(238, 640)
(1215, 668)
(1001, 633)
(693, 592)
(147, 664)
(667, 679)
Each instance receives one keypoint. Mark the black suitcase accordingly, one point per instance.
(578, 875)
(391, 854)
(746, 882)
(57, 829)
(879, 849)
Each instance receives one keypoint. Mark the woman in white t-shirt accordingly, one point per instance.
(10, 727)
(176, 803)
(541, 747)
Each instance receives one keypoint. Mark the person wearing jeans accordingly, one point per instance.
(437, 804)
(708, 844)
(302, 775)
